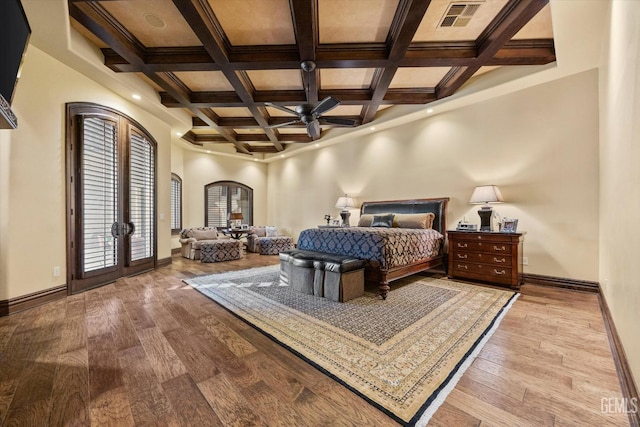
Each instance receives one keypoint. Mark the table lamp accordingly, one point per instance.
(483, 195)
(236, 218)
(345, 203)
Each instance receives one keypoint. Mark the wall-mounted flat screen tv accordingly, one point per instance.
(14, 38)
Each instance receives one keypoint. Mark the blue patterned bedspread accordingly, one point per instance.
(382, 247)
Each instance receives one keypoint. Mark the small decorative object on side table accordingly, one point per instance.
(327, 218)
(486, 256)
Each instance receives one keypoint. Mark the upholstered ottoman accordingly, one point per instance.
(221, 250)
(275, 245)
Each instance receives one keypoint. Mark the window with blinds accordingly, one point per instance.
(99, 163)
(224, 197)
(176, 203)
(141, 197)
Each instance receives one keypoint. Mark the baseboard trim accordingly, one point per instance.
(561, 282)
(176, 250)
(24, 302)
(162, 262)
(625, 375)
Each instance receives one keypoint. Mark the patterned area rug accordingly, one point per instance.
(403, 355)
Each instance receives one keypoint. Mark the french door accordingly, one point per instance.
(111, 197)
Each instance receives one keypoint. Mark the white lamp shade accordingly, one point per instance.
(345, 202)
(486, 194)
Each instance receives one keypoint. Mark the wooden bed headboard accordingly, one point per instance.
(437, 206)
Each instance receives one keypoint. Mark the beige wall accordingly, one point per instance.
(32, 191)
(540, 145)
(200, 169)
(620, 174)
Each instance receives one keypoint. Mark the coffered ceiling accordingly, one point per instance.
(223, 60)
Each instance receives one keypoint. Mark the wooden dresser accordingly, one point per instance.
(486, 256)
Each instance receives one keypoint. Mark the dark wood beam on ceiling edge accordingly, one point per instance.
(500, 31)
(305, 27)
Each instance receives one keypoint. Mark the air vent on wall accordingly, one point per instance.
(459, 14)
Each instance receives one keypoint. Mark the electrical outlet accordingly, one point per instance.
(56, 271)
(525, 260)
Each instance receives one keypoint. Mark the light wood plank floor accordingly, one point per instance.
(148, 350)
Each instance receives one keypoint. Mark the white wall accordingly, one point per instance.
(32, 177)
(620, 174)
(200, 169)
(539, 145)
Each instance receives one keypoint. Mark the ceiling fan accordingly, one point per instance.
(311, 115)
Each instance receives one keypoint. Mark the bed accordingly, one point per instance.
(391, 253)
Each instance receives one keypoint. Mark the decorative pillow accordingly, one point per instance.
(384, 220)
(365, 220)
(420, 220)
(259, 231)
(272, 231)
(205, 234)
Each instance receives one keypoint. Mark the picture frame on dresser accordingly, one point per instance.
(509, 225)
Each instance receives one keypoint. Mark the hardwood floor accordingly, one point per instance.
(148, 350)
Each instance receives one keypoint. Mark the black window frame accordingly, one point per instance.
(229, 185)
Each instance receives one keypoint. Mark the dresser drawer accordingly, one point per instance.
(488, 258)
(488, 272)
(477, 246)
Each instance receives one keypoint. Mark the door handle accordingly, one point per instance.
(115, 229)
(128, 228)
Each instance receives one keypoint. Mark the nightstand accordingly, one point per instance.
(486, 256)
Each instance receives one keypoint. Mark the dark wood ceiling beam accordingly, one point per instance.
(500, 31)
(305, 27)
(253, 137)
(97, 20)
(263, 149)
(403, 28)
(208, 30)
(93, 16)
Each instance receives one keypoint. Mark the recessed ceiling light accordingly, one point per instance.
(136, 96)
(208, 151)
(281, 155)
(372, 128)
(178, 134)
(430, 110)
(255, 160)
(317, 145)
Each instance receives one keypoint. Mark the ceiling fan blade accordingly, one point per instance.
(337, 121)
(283, 124)
(329, 103)
(281, 108)
(313, 129)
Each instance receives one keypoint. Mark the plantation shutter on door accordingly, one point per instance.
(99, 184)
(141, 197)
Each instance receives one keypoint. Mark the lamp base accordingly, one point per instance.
(345, 218)
(485, 214)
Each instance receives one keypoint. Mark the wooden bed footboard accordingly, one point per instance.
(438, 206)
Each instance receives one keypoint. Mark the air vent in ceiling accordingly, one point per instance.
(459, 14)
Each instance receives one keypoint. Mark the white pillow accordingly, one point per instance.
(272, 231)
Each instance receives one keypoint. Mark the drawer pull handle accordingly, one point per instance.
(463, 256)
(499, 260)
(499, 248)
(462, 266)
(462, 245)
(501, 272)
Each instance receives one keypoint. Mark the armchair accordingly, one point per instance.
(266, 241)
(192, 239)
